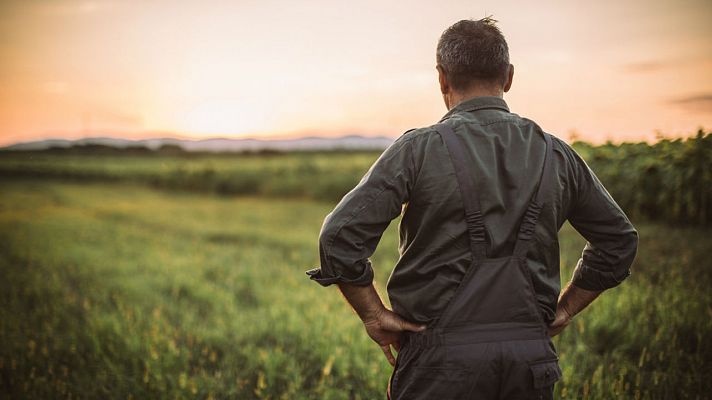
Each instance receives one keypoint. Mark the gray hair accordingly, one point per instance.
(473, 51)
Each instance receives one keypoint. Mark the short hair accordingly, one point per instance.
(473, 51)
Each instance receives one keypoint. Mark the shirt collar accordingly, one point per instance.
(478, 103)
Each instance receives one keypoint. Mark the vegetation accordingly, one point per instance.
(113, 289)
(121, 291)
(670, 180)
(318, 175)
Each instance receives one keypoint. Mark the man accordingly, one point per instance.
(483, 194)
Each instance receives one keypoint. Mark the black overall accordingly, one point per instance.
(491, 341)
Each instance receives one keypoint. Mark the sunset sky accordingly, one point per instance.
(618, 70)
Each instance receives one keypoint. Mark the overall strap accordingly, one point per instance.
(531, 216)
(473, 210)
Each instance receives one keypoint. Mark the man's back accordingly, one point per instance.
(506, 152)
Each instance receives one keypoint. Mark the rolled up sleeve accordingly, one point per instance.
(612, 239)
(351, 232)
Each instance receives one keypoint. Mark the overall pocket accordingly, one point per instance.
(545, 373)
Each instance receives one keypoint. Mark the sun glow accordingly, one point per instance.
(214, 117)
(71, 68)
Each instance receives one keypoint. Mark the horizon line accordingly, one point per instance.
(571, 136)
(177, 135)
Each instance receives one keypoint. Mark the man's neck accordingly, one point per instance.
(456, 98)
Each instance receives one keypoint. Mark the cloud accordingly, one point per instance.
(646, 66)
(697, 103)
(72, 7)
(641, 67)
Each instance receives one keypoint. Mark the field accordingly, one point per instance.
(669, 181)
(318, 176)
(121, 290)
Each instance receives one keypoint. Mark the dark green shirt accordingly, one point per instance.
(415, 177)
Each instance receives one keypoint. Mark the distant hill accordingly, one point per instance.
(350, 142)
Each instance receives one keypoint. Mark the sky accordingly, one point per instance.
(600, 70)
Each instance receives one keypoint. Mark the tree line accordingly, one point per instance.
(670, 180)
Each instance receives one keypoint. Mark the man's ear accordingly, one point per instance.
(442, 78)
(510, 78)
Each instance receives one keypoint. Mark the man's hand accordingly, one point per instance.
(562, 319)
(386, 329)
(573, 299)
(383, 325)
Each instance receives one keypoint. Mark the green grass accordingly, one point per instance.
(668, 181)
(314, 175)
(121, 291)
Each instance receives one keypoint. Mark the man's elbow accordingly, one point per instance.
(601, 269)
(326, 238)
(630, 247)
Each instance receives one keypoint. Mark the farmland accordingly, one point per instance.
(669, 181)
(115, 287)
(312, 175)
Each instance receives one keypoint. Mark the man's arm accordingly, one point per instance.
(351, 232)
(612, 243)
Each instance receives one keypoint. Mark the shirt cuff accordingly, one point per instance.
(316, 274)
(589, 278)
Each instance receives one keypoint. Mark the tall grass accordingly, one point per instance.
(120, 291)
